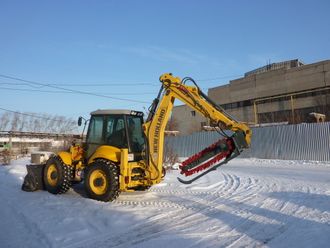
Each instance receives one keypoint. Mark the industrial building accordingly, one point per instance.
(285, 92)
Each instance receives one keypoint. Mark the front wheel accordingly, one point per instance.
(57, 176)
(102, 180)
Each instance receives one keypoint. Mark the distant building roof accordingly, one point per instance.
(274, 66)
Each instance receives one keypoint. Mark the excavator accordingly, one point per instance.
(122, 152)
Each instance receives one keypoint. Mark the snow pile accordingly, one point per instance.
(248, 202)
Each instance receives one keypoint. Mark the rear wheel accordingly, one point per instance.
(102, 180)
(57, 176)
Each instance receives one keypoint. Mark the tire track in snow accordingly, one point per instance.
(153, 227)
(153, 204)
(151, 230)
(242, 191)
(281, 212)
(196, 206)
(199, 204)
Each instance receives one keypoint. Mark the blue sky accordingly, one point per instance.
(120, 48)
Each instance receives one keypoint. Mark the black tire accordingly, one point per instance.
(57, 176)
(102, 180)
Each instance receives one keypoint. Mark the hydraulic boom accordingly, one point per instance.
(211, 157)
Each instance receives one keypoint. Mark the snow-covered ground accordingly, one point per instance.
(246, 203)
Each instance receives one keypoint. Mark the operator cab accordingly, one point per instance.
(118, 128)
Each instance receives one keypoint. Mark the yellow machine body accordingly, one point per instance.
(142, 173)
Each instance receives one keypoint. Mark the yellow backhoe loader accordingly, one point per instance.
(122, 152)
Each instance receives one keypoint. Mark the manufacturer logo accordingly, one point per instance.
(157, 130)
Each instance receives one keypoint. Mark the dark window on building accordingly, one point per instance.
(193, 113)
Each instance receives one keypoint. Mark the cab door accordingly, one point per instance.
(106, 130)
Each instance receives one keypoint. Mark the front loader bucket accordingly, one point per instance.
(34, 178)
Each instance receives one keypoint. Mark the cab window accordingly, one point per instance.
(95, 130)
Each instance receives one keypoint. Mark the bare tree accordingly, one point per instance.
(22, 123)
(4, 121)
(30, 122)
(14, 121)
(50, 123)
(37, 125)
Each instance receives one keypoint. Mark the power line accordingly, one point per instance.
(88, 84)
(81, 84)
(33, 115)
(104, 84)
(66, 92)
(70, 90)
(110, 83)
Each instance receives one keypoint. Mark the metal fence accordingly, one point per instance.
(289, 142)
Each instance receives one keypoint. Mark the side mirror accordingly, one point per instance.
(80, 121)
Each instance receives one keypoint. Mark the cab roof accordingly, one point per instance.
(115, 112)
